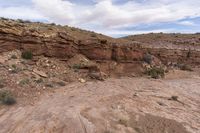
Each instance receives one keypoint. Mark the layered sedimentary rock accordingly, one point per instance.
(40, 40)
(63, 42)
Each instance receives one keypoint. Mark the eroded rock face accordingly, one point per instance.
(60, 41)
(41, 40)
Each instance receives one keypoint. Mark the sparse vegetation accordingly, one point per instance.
(147, 58)
(73, 29)
(189, 54)
(24, 82)
(103, 41)
(185, 67)
(53, 24)
(93, 35)
(156, 72)
(175, 98)
(60, 83)
(15, 69)
(2, 83)
(14, 66)
(49, 85)
(27, 55)
(123, 122)
(77, 66)
(38, 81)
(7, 98)
(13, 56)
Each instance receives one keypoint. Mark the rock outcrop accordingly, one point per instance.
(65, 42)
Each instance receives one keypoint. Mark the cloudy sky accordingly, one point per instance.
(110, 17)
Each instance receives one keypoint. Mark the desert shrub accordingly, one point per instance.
(73, 29)
(2, 83)
(53, 24)
(147, 58)
(14, 66)
(156, 72)
(15, 69)
(26, 21)
(185, 67)
(93, 35)
(49, 85)
(2, 18)
(60, 83)
(7, 98)
(174, 98)
(38, 81)
(27, 55)
(13, 56)
(103, 41)
(20, 20)
(76, 66)
(24, 82)
(189, 54)
(123, 122)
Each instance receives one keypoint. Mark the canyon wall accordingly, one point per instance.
(57, 41)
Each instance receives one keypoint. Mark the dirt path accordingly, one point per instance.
(128, 105)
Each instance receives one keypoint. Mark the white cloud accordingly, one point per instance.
(56, 10)
(21, 12)
(107, 14)
(187, 23)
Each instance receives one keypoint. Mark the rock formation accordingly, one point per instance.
(65, 42)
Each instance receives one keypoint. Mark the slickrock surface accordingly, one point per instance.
(128, 105)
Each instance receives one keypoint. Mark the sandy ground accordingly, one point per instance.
(126, 105)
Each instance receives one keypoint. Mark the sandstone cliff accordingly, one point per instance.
(65, 42)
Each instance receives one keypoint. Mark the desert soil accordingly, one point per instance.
(125, 105)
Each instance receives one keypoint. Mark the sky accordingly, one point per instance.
(111, 17)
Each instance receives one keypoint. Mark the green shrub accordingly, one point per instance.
(156, 72)
(7, 98)
(27, 55)
(77, 66)
(14, 66)
(147, 58)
